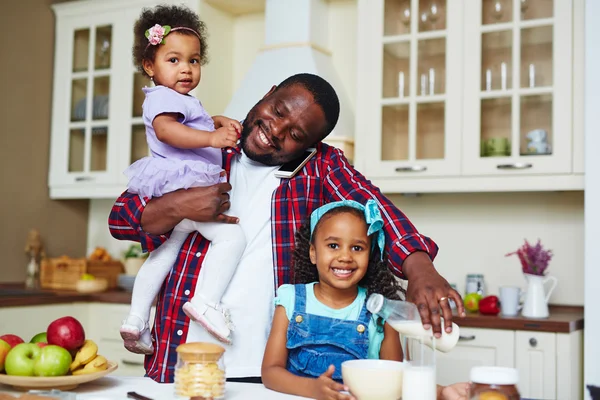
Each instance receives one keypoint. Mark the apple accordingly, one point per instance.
(40, 337)
(53, 361)
(13, 340)
(21, 358)
(471, 302)
(4, 349)
(41, 344)
(66, 332)
(28, 359)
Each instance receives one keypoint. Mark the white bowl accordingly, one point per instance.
(374, 379)
(92, 286)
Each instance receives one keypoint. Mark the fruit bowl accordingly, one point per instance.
(91, 286)
(67, 382)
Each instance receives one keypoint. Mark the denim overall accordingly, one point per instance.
(315, 342)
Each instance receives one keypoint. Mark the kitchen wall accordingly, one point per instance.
(474, 231)
(26, 82)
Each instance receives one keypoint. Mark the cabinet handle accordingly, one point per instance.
(466, 338)
(135, 363)
(412, 168)
(84, 179)
(517, 165)
(533, 342)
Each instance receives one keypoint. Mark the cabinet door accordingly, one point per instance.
(536, 362)
(489, 347)
(84, 110)
(518, 87)
(409, 94)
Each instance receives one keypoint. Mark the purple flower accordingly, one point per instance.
(534, 259)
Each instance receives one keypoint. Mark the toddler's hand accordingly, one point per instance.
(222, 121)
(458, 391)
(325, 388)
(223, 137)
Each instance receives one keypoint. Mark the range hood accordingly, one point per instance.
(296, 38)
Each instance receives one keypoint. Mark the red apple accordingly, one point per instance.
(41, 344)
(4, 349)
(13, 340)
(66, 332)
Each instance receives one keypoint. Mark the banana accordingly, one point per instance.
(85, 354)
(99, 363)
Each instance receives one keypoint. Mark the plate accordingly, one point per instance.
(68, 382)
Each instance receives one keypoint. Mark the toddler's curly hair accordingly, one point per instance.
(378, 279)
(175, 17)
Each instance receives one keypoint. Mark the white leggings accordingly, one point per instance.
(227, 245)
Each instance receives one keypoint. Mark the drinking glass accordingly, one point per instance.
(419, 381)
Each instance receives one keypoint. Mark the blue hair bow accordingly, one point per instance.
(372, 217)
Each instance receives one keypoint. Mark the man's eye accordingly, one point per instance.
(295, 136)
(277, 112)
(172, 60)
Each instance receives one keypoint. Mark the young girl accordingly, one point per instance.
(322, 320)
(185, 145)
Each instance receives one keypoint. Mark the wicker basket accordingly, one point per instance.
(63, 273)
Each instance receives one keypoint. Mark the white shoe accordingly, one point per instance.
(215, 319)
(136, 335)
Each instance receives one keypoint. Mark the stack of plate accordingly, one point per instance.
(125, 282)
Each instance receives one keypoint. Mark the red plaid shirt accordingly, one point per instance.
(327, 177)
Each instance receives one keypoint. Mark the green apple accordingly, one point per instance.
(20, 360)
(4, 349)
(40, 337)
(28, 359)
(53, 361)
(471, 302)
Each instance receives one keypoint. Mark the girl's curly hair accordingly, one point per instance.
(175, 17)
(378, 279)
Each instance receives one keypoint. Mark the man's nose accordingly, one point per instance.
(278, 129)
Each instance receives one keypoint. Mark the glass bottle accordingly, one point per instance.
(405, 318)
(200, 371)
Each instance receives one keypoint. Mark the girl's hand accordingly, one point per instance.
(458, 391)
(325, 388)
(223, 137)
(221, 121)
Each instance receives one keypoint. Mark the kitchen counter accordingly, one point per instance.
(563, 319)
(116, 388)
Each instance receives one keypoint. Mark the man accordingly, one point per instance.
(291, 117)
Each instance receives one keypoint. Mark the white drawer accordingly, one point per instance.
(106, 320)
(130, 364)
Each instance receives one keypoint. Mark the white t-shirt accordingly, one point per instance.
(250, 294)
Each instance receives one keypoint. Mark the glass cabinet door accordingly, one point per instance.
(89, 102)
(417, 46)
(518, 86)
(139, 147)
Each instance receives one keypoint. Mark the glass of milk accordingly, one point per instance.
(419, 382)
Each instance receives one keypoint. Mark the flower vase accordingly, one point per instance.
(536, 298)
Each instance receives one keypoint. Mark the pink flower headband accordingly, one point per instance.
(156, 34)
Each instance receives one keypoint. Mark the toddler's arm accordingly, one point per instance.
(172, 132)
(276, 377)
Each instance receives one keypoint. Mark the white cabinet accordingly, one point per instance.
(549, 364)
(476, 347)
(456, 96)
(28, 321)
(97, 129)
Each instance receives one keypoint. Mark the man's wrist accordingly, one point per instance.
(416, 261)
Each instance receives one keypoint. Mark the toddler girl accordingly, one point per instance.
(185, 145)
(322, 320)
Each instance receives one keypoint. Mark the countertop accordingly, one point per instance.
(116, 388)
(563, 319)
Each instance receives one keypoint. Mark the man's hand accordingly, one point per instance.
(430, 292)
(202, 204)
(325, 388)
(225, 136)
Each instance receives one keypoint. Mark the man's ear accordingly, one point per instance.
(270, 92)
(312, 254)
(148, 67)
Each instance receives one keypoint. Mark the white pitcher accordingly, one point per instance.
(536, 301)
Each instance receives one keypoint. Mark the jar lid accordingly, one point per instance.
(200, 351)
(495, 375)
(474, 275)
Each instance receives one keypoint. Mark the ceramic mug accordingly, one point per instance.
(510, 298)
(497, 146)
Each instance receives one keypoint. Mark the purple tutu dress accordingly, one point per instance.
(169, 168)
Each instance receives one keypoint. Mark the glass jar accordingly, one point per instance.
(475, 284)
(200, 372)
(494, 383)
